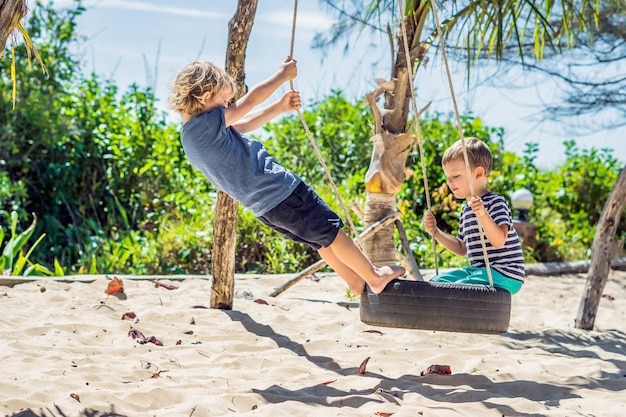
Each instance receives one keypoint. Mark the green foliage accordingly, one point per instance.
(14, 260)
(95, 167)
(104, 173)
(569, 201)
(340, 129)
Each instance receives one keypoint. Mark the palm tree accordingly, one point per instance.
(11, 14)
(485, 27)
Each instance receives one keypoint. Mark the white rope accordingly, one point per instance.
(460, 127)
(418, 128)
(314, 143)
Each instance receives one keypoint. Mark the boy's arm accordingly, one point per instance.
(450, 242)
(496, 234)
(257, 118)
(260, 92)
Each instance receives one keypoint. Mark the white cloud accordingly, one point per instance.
(305, 20)
(146, 7)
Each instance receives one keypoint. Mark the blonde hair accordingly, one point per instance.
(195, 80)
(478, 154)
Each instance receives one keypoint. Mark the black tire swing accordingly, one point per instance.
(438, 306)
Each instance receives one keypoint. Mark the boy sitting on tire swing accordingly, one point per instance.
(491, 210)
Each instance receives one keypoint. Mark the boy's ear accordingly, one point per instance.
(205, 98)
(479, 171)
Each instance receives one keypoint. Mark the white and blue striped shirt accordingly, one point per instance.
(508, 259)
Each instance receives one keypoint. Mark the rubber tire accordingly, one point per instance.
(438, 306)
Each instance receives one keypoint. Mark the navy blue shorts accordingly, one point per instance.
(304, 217)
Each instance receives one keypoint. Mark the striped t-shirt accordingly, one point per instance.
(508, 259)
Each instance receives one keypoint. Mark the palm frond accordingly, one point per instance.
(15, 26)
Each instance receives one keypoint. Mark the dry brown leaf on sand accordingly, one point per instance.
(361, 369)
(129, 316)
(436, 370)
(116, 286)
(164, 285)
(329, 382)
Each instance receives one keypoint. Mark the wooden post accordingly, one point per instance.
(224, 245)
(413, 269)
(601, 254)
(226, 209)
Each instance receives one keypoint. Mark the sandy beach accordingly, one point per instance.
(67, 351)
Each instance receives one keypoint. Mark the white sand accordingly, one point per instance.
(66, 352)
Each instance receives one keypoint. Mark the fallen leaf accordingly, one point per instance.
(116, 286)
(328, 382)
(260, 301)
(75, 396)
(361, 369)
(373, 331)
(141, 339)
(314, 278)
(436, 370)
(163, 285)
(608, 297)
(199, 307)
(136, 334)
(154, 340)
(345, 305)
(383, 414)
(129, 316)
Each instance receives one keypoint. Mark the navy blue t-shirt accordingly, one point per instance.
(236, 164)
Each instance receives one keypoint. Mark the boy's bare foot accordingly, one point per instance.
(385, 274)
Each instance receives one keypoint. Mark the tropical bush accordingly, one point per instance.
(14, 259)
(105, 176)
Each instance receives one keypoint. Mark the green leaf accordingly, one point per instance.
(58, 269)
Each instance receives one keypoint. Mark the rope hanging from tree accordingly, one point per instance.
(418, 128)
(314, 143)
(459, 126)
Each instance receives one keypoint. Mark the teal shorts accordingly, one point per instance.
(471, 275)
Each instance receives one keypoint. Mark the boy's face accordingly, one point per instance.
(220, 100)
(456, 173)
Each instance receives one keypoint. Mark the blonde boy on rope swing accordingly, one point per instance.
(214, 140)
(491, 210)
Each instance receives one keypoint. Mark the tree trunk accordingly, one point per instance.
(392, 140)
(378, 206)
(11, 12)
(225, 223)
(383, 181)
(224, 244)
(602, 254)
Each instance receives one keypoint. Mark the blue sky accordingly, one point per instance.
(146, 42)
